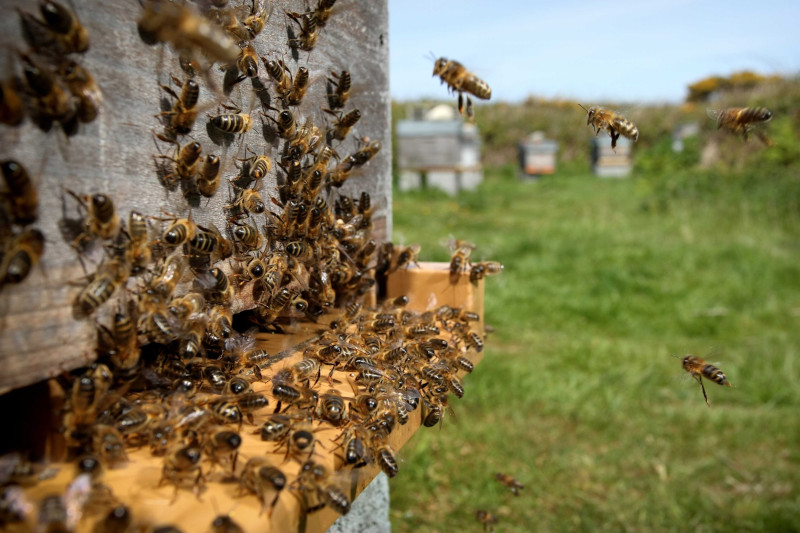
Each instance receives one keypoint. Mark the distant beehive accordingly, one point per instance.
(537, 155)
(441, 151)
(608, 163)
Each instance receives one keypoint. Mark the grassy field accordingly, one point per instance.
(578, 396)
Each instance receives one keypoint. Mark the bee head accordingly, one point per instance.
(766, 114)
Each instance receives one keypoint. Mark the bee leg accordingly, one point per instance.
(614, 137)
(460, 103)
(702, 387)
(470, 114)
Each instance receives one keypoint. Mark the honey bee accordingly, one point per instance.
(184, 110)
(324, 11)
(247, 63)
(461, 80)
(70, 33)
(225, 524)
(22, 195)
(277, 70)
(487, 519)
(513, 485)
(209, 242)
(179, 231)
(82, 85)
(249, 236)
(405, 256)
(603, 119)
(109, 445)
(11, 111)
(482, 269)
(306, 140)
(259, 166)
(699, 369)
(256, 21)
(299, 87)
(742, 120)
(108, 278)
(315, 485)
(218, 289)
(260, 477)
(118, 520)
(236, 122)
(138, 254)
(459, 260)
(343, 124)
(366, 152)
(125, 354)
(209, 178)
(185, 165)
(247, 201)
(181, 466)
(309, 30)
(331, 407)
(287, 128)
(50, 100)
(101, 218)
(338, 98)
(166, 22)
(222, 448)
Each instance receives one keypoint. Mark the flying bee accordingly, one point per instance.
(260, 477)
(299, 87)
(603, 119)
(366, 152)
(699, 369)
(21, 256)
(513, 485)
(742, 120)
(11, 110)
(184, 110)
(344, 123)
(277, 70)
(22, 196)
(82, 85)
(405, 256)
(247, 63)
(338, 98)
(186, 30)
(484, 268)
(459, 79)
(487, 519)
(51, 101)
(309, 30)
(236, 122)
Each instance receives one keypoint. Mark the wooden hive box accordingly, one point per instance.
(117, 154)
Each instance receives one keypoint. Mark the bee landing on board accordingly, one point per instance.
(700, 369)
(603, 119)
(460, 80)
(743, 120)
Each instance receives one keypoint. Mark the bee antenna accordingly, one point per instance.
(583, 108)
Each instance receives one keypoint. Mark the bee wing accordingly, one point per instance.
(713, 114)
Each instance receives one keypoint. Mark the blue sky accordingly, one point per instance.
(595, 51)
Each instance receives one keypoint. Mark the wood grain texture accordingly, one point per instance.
(115, 154)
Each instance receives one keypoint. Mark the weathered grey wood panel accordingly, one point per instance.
(115, 154)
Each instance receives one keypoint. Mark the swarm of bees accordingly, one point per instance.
(178, 374)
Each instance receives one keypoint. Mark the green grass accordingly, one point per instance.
(577, 395)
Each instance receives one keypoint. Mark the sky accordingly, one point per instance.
(594, 51)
